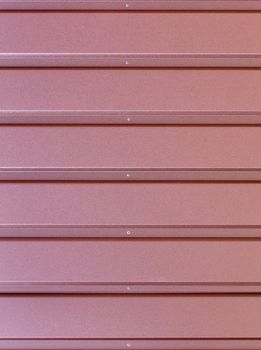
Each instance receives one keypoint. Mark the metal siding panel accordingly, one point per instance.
(130, 5)
(130, 210)
(154, 266)
(130, 96)
(130, 317)
(125, 153)
(130, 39)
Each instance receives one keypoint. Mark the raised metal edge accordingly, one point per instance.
(156, 174)
(87, 231)
(130, 5)
(128, 60)
(139, 344)
(128, 117)
(128, 288)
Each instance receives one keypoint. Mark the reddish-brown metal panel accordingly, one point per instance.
(130, 39)
(130, 210)
(130, 5)
(153, 266)
(130, 317)
(125, 153)
(130, 96)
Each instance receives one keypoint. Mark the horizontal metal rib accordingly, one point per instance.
(130, 60)
(130, 231)
(127, 117)
(109, 344)
(129, 174)
(128, 288)
(130, 5)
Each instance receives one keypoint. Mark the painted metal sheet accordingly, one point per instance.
(124, 266)
(130, 5)
(130, 96)
(130, 39)
(130, 153)
(130, 320)
(129, 209)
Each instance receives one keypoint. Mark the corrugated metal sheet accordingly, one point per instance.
(130, 39)
(124, 266)
(130, 96)
(130, 236)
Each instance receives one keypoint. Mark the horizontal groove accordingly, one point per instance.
(127, 232)
(130, 60)
(131, 5)
(75, 117)
(127, 288)
(108, 344)
(130, 175)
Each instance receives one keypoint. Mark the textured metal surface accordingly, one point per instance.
(130, 317)
(130, 39)
(130, 210)
(154, 266)
(130, 96)
(125, 153)
(130, 5)
(80, 286)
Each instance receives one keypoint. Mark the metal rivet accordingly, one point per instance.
(128, 175)
(129, 119)
(128, 233)
(126, 5)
